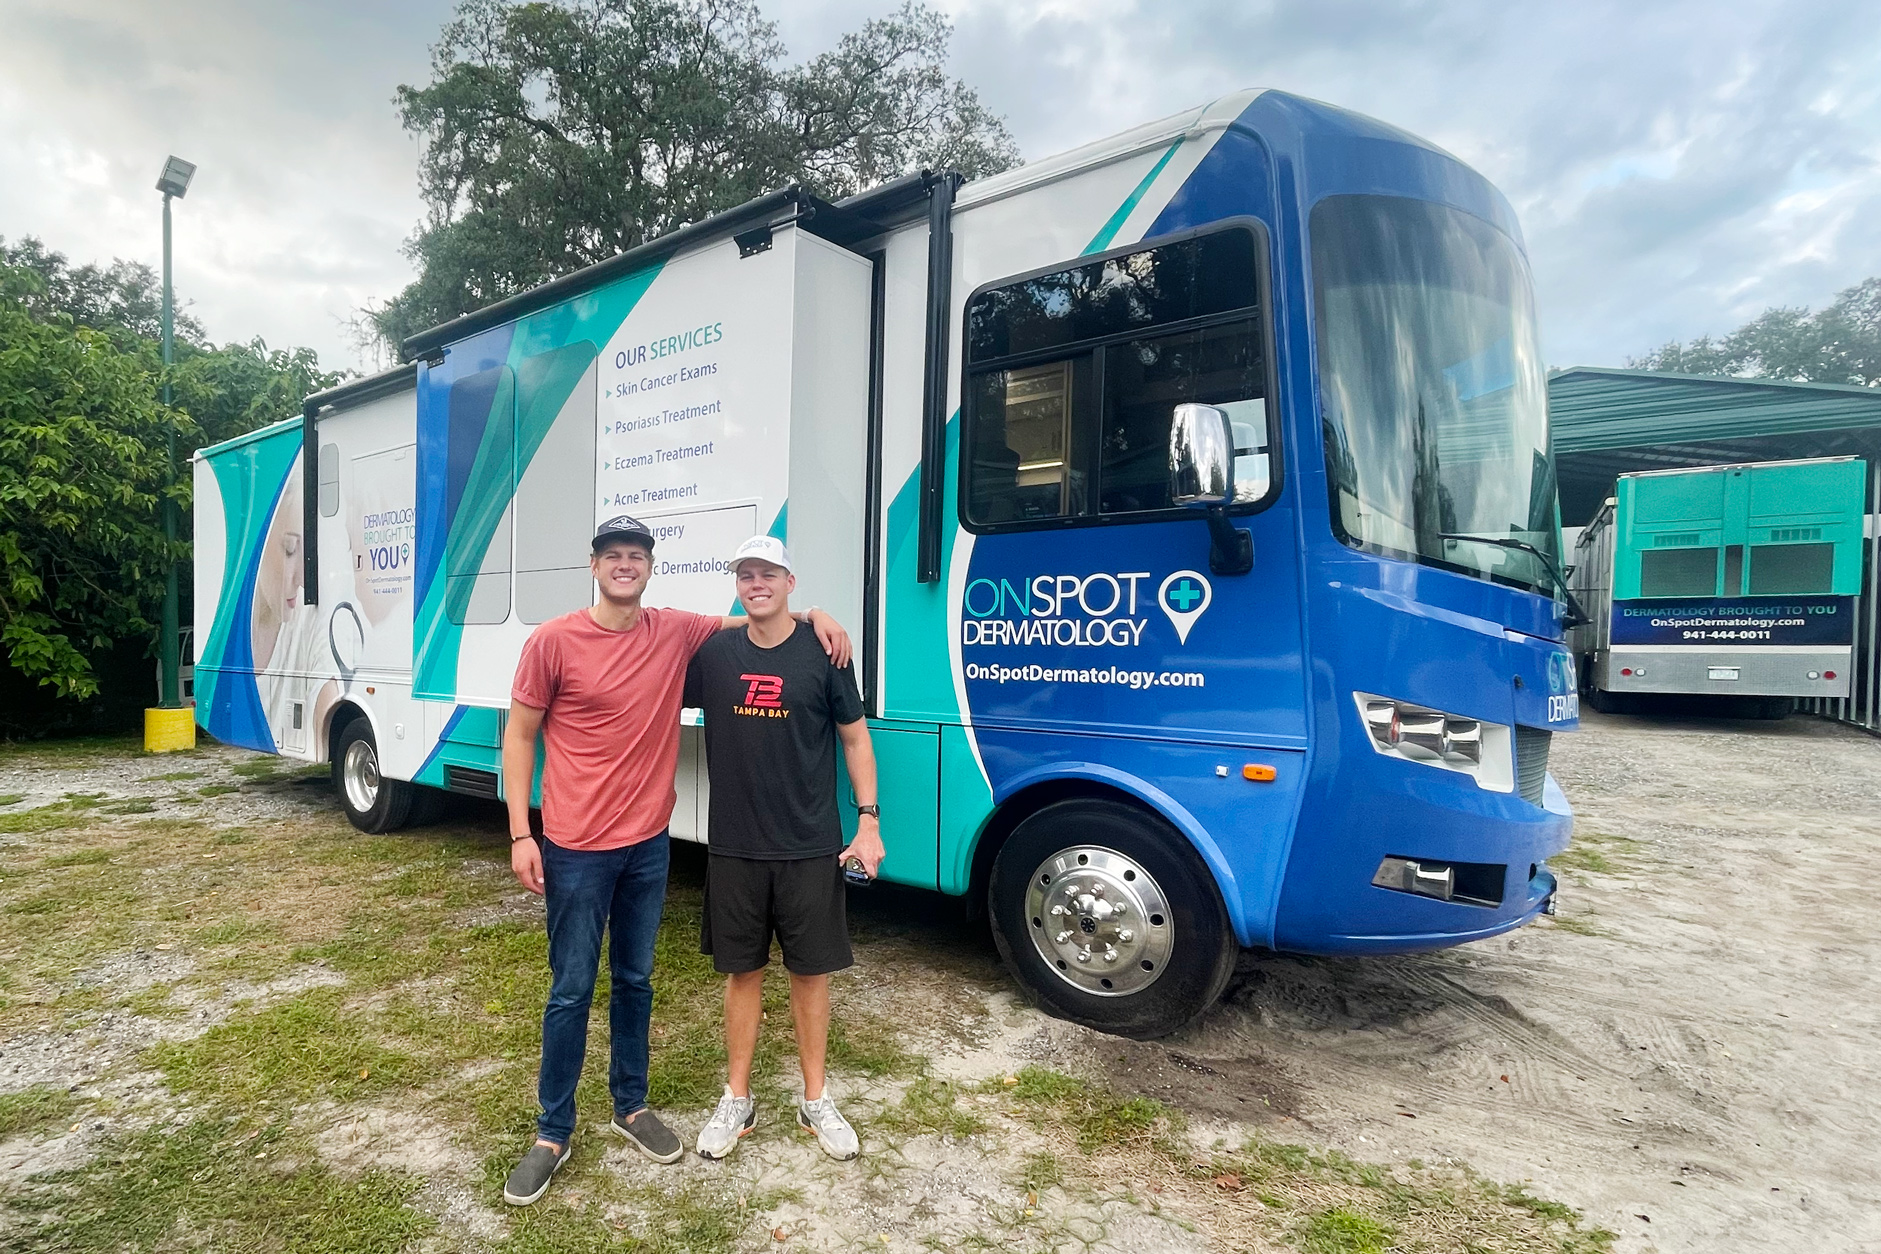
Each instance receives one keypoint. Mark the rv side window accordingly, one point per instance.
(329, 480)
(1072, 377)
(1792, 570)
(1678, 573)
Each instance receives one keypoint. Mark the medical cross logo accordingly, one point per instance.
(1183, 596)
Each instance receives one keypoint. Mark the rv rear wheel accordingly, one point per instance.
(1109, 918)
(372, 802)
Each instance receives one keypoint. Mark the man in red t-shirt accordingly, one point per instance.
(603, 686)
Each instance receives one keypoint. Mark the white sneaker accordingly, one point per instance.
(734, 1118)
(821, 1119)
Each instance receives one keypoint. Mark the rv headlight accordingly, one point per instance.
(1417, 733)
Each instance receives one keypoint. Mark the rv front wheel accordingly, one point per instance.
(1109, 918)
(372, 802)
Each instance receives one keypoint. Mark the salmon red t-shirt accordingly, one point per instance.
(611, 732)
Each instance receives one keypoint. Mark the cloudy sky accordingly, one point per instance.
(1678, 165)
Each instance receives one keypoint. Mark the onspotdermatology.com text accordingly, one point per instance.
(1089, 675)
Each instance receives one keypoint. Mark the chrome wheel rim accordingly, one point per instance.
(360, 775)
(1099, 920)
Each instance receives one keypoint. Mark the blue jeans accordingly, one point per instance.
(622, 891)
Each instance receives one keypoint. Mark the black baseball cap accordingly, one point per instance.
(622, 527)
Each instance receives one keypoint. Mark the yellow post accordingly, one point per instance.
(167, 730)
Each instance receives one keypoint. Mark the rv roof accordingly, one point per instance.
(1214, 116)
(885, 205)
(250, 437)
(1699, 470)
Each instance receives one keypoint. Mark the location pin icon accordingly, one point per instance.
(1183, 596)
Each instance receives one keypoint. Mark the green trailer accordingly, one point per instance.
(1735, 581)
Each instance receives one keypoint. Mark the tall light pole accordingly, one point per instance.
(173, 183)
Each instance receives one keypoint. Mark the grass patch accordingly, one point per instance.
(140, 805)
(1102, 1118)
(210, 1181)
(75, 751)
(254, 770)
(1518, 1195)
(170, 777)
(1582, 858)
(307, 1047)
(1041, 1171)
(34, 1108)
(933, 1107)
(1340, 1230)
(1576, 924)
(74, 811)
(867, 1045)
(11, 798)
(218, 790)
(77, 857)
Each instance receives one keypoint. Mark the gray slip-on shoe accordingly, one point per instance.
(531, 1178)
(645, 1132)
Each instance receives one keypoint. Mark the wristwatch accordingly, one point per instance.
(873, 811)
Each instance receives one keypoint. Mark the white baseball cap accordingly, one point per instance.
(763, 548)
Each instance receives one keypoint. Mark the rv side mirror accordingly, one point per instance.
(1201, 456)
(1201, 474)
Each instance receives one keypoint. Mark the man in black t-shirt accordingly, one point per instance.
(775, 710)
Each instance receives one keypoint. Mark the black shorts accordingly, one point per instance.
(801, 900)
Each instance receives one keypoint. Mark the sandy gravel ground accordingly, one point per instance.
(1688, 1054)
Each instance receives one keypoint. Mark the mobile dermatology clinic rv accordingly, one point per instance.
(1736, 584)
(1189, 495)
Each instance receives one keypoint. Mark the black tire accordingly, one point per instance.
(372, 802)
(428, 805)
(1612, 702)
(1179, 963)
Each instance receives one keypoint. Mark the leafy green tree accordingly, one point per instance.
(84, 453)
(82, 470)
(232, 390)
(122, 299)
(561, 132)
(1838, 344)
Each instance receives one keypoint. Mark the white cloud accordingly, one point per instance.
(1677, 166)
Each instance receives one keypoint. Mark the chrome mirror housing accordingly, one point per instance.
(1201, 456)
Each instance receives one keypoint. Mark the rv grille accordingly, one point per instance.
(470, 782)
(1531, 761)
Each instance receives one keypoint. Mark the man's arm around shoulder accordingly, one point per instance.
(519, 774)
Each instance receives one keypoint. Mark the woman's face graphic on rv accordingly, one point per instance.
(622, 569)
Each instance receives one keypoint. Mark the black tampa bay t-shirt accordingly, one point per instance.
(770, 743)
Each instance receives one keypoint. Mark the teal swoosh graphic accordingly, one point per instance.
(1108, 232)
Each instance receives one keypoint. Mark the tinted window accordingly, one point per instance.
(1195, 278)
(1085, 432)
(1792, 570)
(1678, 572)
(1144, 380)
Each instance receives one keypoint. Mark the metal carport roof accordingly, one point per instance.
(1610, 422)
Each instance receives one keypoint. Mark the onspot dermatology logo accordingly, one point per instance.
(1102, 609)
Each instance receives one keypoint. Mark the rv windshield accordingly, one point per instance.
(1435, 405)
